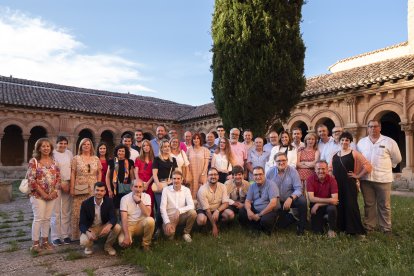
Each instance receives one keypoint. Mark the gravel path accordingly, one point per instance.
(16, 259)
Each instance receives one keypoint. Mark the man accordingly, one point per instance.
(323, 196)
(188, 139)
(177, 208)
(210, 145)
(127, 141)
(248, 139)
(257, 157)
(60, 222)
(259, 209)
(160, 134)
(238, 149)
(136, 217)
(383, 154)
(297, 138)
(139, 136)
(213, 200)
(273, 141)
(324, 139)
(237, 189)
(97, 220)
(221, 134)
(334, 146)
(288, 182)
(173, 134)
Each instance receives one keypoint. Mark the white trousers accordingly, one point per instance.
(42, 212)
(60, 222)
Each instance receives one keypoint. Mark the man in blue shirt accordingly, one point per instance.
(160, 134)
(290, 187)
(259, 209)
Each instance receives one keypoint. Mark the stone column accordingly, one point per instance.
(1, 137)
(26, 148)
(409, 151)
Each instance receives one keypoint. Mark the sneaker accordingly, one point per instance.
(35, 249)
(88, 251)
(110, 250)
(300, 231)
(331, 234)
(187, 238)
(156, 234)
(57, 242)
(67, 240)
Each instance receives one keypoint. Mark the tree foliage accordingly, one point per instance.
(258, 61)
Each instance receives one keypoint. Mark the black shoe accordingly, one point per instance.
(156, 234)
(67, 241)
(57, 242)
(300, 231)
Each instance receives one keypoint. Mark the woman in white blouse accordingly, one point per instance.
(223, 159)
(285, 146)
(180, 156)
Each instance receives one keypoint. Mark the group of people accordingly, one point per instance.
(155, 186)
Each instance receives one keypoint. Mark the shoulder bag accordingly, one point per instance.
(24, 185)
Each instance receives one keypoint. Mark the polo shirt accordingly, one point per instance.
(261, 196)
(289, 183)
(323, 189)
(128, 205)
(257, 159)
(209, 199)
(239, 152)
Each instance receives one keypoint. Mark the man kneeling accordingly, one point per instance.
(177, 208)
(323, 195)
(97, 219)
(135, 210)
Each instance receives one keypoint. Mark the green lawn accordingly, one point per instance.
(239, 252)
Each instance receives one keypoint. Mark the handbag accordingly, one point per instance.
(162, 184)
(24, 185)
(82, 189)
(124, 188)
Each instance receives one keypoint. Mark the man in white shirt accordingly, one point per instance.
(297, 138)
(60, 221)
(324, 140)
(136, 217)
(127, 141)
(383, 154)
(333, 146)
(177, 208)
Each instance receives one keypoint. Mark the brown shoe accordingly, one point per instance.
(146, 248)
(48, 246)
(36, 249)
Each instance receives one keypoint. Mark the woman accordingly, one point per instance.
(285, 146)
(86, 171)
(180, 156)
(44, 180)
(143, 169)
(348, 166)
(120, 175)
(162, 168)
(103, 156)
(307, 158)
(198, 157)
(223, 159)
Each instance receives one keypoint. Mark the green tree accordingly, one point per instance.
(258, 61)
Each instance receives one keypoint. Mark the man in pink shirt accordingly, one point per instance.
(239, 149)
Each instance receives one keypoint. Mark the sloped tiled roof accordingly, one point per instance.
(379, 72)
(28, 93)
(201, 111)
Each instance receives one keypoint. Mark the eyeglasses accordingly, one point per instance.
(337, 131)
(373, 126)
(212, 174)
(281, 161)
(258, 174)
(260, 193)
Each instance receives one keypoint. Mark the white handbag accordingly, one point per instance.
(24, 185)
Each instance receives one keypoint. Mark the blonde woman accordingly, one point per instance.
(307, 157)
(180, 156)
(44, 180)
(223, 159)
(199, 157)
(143, 169)
(86, 171)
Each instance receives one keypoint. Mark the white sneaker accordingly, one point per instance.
(331, 234)
(187, 238)
(111, 251)
(88, 251)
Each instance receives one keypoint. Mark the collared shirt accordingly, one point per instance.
(134, 154)
(331, 148)
(322, 146)
(268, 147)
(289, 183)
(292, 157)
(181, 159)
(383, 156)
(257, 159)
(64, 161)
(260, 196)
(212, 150)
(221, 163)
(128, 205)
(155, 146)
(239, 152)
(97, 219)
(209, 199)
(301, 145)
(237, 193)
(323, 189)
(172, 200)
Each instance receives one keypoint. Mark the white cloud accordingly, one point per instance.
(34, 49)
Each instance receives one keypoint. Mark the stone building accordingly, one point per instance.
(375, 85)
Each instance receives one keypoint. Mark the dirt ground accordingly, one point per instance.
(15, 258)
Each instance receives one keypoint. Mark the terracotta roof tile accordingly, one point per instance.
(200, 111)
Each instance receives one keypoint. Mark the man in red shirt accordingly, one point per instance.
(323, 195)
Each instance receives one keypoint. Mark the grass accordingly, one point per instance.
(20, 216)
(13, 246)
(74, 255)
(5, 225)
(20, 233)
(4, 215)
(240, 252)
(89, 271)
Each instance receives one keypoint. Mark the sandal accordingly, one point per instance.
(48, 246)
(35, 248)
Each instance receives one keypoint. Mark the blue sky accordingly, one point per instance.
(162, 48)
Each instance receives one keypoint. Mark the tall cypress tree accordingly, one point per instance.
(258, 61)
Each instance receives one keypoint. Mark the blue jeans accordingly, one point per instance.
(158, 217)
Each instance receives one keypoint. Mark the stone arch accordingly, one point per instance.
(87, 126)
(410, 110)
(108, 136)
(376, 111)
(12, 146)
(85, 133)
(298, 117)
(50, 129)
(322, 115)
(390, 126)
(110, 128)
(300, 124)
(20, 123)
(36, 132)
